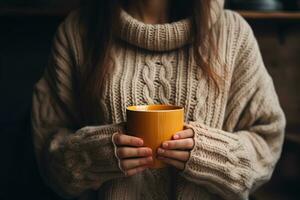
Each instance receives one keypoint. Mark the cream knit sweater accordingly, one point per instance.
(238, 134)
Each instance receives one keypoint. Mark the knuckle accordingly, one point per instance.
(171, 144)
(118, 138)
(168, 153)
(132, 172)
(140, 152)
(191, 132)
(121, 152)
(189, 142)
(192, 142)
(186, 156)
(123, 165)
(127, 173)
(132, 140)
(141, 161)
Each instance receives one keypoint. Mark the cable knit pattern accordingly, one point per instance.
(238, 133)
(165, 75)
(201, 85)
(148, 76)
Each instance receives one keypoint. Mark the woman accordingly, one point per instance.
(112, 54)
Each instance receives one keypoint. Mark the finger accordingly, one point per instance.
(187, 133)
(174, 154)
(177, 164)
(134, 171)
(129, 152)
(122, 139)
(127, 164)
(183, 144)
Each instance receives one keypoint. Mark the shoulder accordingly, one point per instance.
(239, 30)
(244, 48)
(71, 23)
(237, 34)
(68, 35)
(233, 16)
(69, 27)
(234, 25)
(241, 49)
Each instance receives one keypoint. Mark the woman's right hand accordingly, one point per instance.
(134, 157)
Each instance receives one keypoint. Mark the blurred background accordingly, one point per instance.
(26, 31)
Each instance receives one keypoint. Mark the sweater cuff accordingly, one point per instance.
(87, 156)
(99, 140)
(218, 161)
(115, 152)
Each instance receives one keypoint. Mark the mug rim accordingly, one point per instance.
(173, 109)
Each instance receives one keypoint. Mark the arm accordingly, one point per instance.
(234, 161)
(71, 159)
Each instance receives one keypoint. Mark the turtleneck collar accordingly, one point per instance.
(160, 37)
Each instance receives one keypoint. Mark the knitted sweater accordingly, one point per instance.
(238, 133)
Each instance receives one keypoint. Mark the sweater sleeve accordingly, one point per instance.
(71, 159)
(234, 161)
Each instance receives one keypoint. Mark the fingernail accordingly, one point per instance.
(165, 145)
(141, 142)
(176, 137)
(146, 152)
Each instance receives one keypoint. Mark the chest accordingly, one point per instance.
(139, 77)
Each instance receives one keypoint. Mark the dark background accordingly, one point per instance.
(24, 47)
(26, 32)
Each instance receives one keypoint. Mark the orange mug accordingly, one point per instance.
(154, 124)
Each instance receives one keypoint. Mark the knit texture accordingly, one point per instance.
(238, 133)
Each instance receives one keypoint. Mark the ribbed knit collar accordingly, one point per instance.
(160, 37)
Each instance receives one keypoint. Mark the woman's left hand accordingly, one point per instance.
(176, 152)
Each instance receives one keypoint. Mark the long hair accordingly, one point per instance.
(98, 19)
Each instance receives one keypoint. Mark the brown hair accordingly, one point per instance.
(97, 17)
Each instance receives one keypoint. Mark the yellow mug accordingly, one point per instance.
(154, 124)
